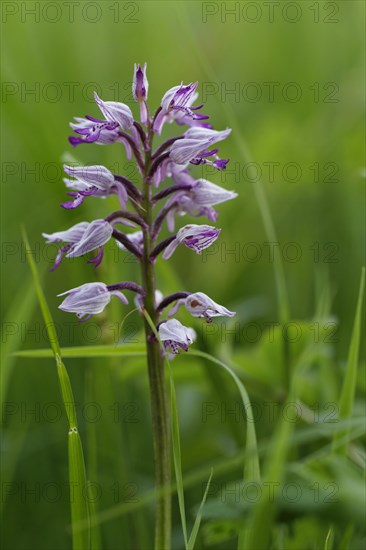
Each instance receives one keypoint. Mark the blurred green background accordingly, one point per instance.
(289, 78)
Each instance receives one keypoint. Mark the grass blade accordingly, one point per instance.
(50, 326)
(197, 523)
(76, 352)
(328, 545)
(349, 384)
(251, 469)
(77, 473)
(264, 512)
(20, 311)
(92, 461)
(251, 464)
(221, 467)
(346, 539)
(78, 486)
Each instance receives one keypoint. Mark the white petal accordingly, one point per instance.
(97, 234)
(170, 249)
(72, 235)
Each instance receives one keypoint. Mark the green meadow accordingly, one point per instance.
(268, 407)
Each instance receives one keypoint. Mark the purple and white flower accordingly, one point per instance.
(140, 88)
(140, 85)
(71, 235)
(179, 97)
(91, 176)
(197, 201)
(93, 130)
(91, 181)
(200, 305)
(115, 112)
(81, 239)
(176, 106)
(176, 336)
(89, 299)
(196, 237)
(96, 235)
(194, 147)
(207, 134)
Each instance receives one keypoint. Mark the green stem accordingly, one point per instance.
(158, 395)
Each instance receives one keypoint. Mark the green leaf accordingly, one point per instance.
(346, 539)
(197, 523)
(251, 469)
(77, 475)
(251, 464)
(132, 350)
(328, 544)
(20, 312)
(50, 326)
(92, 459)
(349, 384)
(78, 491)
(265, 509)
(221, 467)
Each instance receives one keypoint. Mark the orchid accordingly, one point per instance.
(197, 199)
(88, 299)
(199, 304)
(176, 106)
(196, 237)
(140, 90)
(141, 210)
(81, 238)
(92, 181)
(194, 146)
(174, 335)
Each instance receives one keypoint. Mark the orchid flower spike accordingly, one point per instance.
(152, 164)
(174, 159)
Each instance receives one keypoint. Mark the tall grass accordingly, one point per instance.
(77, 472)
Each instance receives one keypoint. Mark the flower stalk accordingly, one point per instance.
(155, 366)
